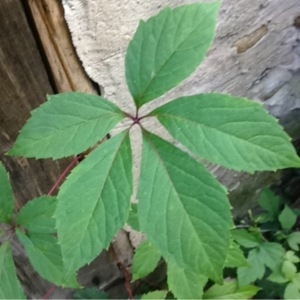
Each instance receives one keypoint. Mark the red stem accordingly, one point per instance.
(123, 269)
(49, 292)
(63, 175)
(127, 280)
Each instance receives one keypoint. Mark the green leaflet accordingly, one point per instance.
(270, 203)
(271, 254)
(184, 283)
(287, 218)
(289, 270)
(167, 48)
(292, 291)
(182, 209)
(230, 290)
(245, 238)
(145, 260)
(155, 295)
(44, 254)
(255, 270)
(233, 132)
(37, 215)
(291, 256)
(6, 197)
(94, 201)
(235, 257)
(293, 240)
(10, 287)
(133, 220)
(296, 280)
(65, 125)
(277, 276)
(266, 254)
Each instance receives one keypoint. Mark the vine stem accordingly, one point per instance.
(49, 292)
(63, 175)
(124, 270)
(127, 278)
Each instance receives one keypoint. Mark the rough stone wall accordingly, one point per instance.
(256, 54)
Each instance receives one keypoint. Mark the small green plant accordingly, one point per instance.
(182, 208)
(272, 248)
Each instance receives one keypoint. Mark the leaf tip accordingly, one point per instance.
(12, 152)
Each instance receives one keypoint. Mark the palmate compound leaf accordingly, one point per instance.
(44, 254)
(6, 197)
(37, 215)
(67, 124)
(184, 283)
(94, 201)
(10, 287)
(182, 209)
(233, 132)
(167, 48)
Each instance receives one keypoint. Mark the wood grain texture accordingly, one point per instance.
(67, 71)
(23, 86)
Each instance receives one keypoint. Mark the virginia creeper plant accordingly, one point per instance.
(182, 209)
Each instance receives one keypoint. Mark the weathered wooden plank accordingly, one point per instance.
(67, 71)
(23, 85)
